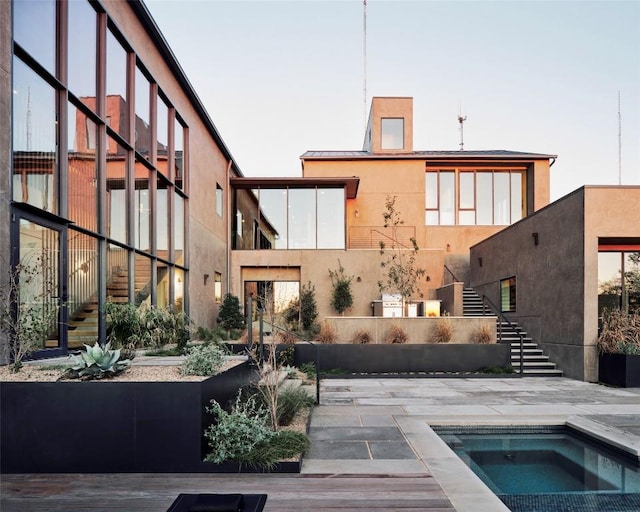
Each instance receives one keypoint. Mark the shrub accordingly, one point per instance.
(286, 337)
(309, 369)
(482, 335)
(362, 337)
(283, 444)
(341, 298)
(203, 360)
(236, 433)
(230, 316)
(308, 307)
(291, 401)
(396, 334)
(443, 331)
(327, 333)
(620, 333)
(212, 335)
(286, 356)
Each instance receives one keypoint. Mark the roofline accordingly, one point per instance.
(350, 183)
(144, 16)
(432, 158)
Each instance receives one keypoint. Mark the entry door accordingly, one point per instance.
(39, 270)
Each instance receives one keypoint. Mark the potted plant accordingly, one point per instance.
(619, 349)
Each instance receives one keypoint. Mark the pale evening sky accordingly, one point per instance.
(281, 78)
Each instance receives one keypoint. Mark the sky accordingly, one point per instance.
(281, 78)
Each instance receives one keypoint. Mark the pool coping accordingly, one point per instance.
(462, 486)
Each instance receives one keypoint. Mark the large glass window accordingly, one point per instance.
(142, 208)
(116, 200)
(34, 28)
(273, 213)
(484, 198)
(82, 263)
(35, 148)
(178, 228)
(162, 136)
(117, 107)
(330, 218)
(82, 179)
(82, 52)
(508, 295)
(302, 216)
(162, 217)
(619, 280)
(392, 129)
(142, 119)
(178, 155)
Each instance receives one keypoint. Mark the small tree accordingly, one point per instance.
(341, 299)
(230, 316)
(399, 261)
(308, 307)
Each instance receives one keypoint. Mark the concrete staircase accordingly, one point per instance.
(535, 362)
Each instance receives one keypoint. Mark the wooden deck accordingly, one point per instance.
(156, 492)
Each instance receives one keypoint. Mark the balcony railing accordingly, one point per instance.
(369, 237)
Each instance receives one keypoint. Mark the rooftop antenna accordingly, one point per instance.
(461, 120)
(364, 51)
(619, 142)
(28, 118)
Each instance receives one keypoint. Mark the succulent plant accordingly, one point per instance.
(96, 363)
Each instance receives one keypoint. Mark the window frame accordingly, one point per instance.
(512, 290)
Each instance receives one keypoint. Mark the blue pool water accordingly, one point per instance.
(547, 469)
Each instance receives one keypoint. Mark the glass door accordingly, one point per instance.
(41, 291)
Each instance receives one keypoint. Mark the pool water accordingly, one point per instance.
(547, 469)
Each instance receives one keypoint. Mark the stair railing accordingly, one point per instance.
(502, 318)
(448, 272)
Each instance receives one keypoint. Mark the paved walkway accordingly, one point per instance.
(381, 426)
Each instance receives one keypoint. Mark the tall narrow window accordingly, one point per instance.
(392, 129)
(82, 52)
(219, 200)
(142, 119)
(508, 295)
(34, 28)
(117, 106)
(217, 287)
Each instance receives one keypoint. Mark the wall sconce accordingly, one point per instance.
(428, 278)
(480, 261)
(206, 278)
(356, 214)
(359, 279)
(448, 247)
(535, 238)
(84, 267)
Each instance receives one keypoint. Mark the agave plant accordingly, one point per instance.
(96, 363)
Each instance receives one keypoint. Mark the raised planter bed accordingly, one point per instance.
(620, 370)
(113, 427)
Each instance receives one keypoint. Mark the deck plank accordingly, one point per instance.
(156, 492)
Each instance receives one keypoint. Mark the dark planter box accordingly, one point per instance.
(112, 427)
(405, 358)
(619, 370)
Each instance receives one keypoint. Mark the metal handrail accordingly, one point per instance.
(453, 276)
(501, 317)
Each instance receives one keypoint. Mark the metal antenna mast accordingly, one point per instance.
(28, 118)
(619, 142)
(461, 120)
(364, 51)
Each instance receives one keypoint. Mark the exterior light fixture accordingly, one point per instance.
(480, 261)
(535, 238)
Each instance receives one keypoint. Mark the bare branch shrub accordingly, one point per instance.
(361, 337)
(620, 333)
(396, 334)
(286, 337)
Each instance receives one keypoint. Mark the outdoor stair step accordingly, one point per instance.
(534, 372)
(534, 364)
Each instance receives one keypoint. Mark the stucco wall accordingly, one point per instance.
(5, 143)
(550, 284)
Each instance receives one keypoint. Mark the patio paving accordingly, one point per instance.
(372, 449)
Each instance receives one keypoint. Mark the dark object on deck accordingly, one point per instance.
(218, 503)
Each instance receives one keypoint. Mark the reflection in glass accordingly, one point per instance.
(447, 199)
(82, 51)
(273, 221)
(142, 281)
(39, 305)
(142, 127)
(178, 141)
(484, 198)
(279, 300)
(82, 261)
(34, 28)
(632, 281)
(162, 284)
(82, 180)
(116, 202)
(501, 206)
(302, 216)
(142, 209)
(619, 281)
(178, 227)
(117, 109)
(117, 274)
(34, 139)
(331, 218)
(162, 130)
(162, 217)
(178, 291)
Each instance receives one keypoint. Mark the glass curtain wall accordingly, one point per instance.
(121, 205)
